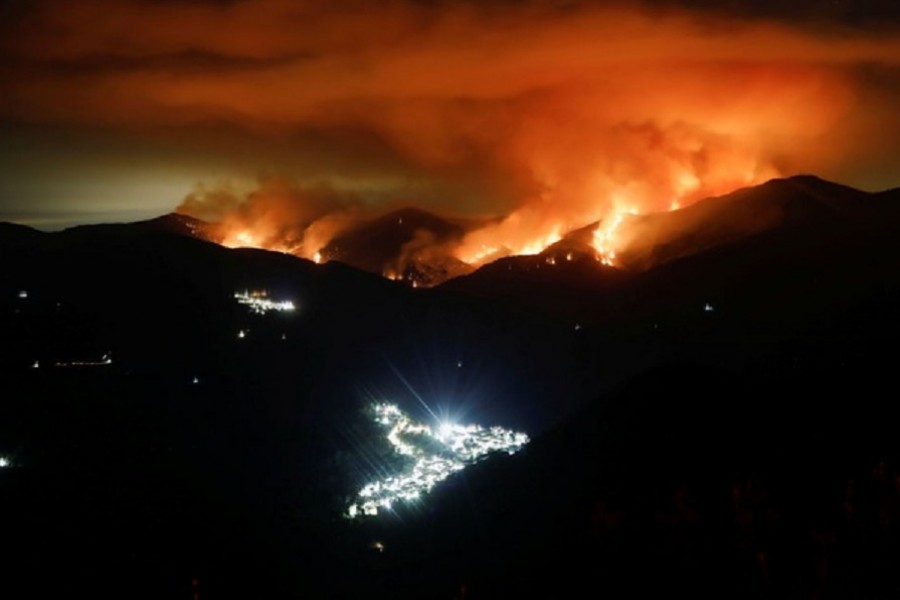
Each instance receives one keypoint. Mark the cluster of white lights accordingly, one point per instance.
(437, 454)
(259, 302)
(104, 360)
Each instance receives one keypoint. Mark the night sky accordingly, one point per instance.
(124, 109)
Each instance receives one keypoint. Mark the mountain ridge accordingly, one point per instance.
(686, 419)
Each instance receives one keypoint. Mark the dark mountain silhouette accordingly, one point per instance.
(13, 234)
(401, 245)
(801, 201)
(715, 424)
(173, 223)
(746, 239)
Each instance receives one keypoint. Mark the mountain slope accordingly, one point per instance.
(800, 201)
(401, 245)
(172, 224)
(785, 230)
(715, 423)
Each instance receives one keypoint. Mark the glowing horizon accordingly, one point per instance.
(289, 125)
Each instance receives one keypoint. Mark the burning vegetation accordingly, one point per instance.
(550, 121)
(423, 249)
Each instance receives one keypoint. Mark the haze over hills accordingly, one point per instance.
(711, 417)
(399, 245)
(804, 223)
(416, 246)
(801, 201)
(826, 223)
(421, 247)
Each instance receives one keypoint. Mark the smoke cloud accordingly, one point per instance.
(547, 115)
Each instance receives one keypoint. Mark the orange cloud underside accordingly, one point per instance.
(576, 114)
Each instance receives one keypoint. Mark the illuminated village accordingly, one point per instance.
(436, 454)
(259, 303)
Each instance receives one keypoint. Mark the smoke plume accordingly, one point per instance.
(547, 116)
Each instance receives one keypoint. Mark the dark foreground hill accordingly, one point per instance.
(718, 425)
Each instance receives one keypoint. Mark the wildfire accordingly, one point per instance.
(675, 181)
(604, 238)
(475, 252)
(521, 118)
(481, 255)
(606, 242)
(245, 238)
(539, 245)
(240, 239)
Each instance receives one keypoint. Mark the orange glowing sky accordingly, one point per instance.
(295, 119)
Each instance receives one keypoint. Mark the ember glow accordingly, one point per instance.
(433, 454)
(247, 238)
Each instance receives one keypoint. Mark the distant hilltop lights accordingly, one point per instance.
(259, 303)
(103, 361)
(436, 453)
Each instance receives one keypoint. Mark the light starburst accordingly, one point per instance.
(437, 453)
